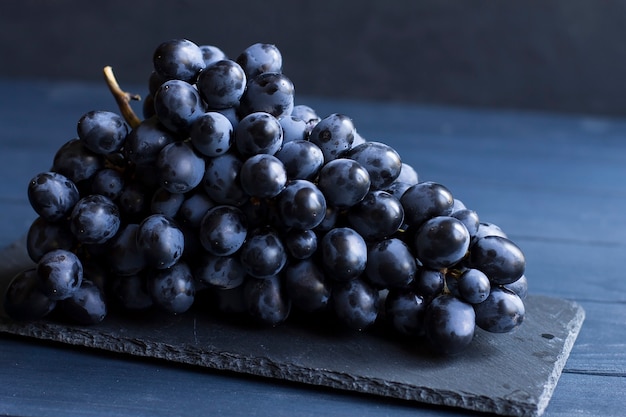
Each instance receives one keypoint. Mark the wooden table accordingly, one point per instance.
(556, 184)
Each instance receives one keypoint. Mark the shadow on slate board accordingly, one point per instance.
(512, 374)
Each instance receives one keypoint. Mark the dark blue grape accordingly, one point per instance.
(306, 286)
(473, 286)
(269, 92)
(134, 201)
(123, 255)
(519, 287)
(86, 305)
(177, 104)
(306, 114)
(293, 128)
(469, 218)
(44, 236)
(302, 159)
(76, 162)
(180, 167)
(441, 242)
(131, 292)
(178, 59)
(263, 176)
(301, 244)
(94, 219)
(258, 132)
(429, 283)
(221, 180)
(425, 200)
(60, 273)
(355, 303)
(499, 258)
(450, 325)
(381, 161)
(161, 240)
(166, 203)
(334, 135)
(212, 134)
(390, 264)
(194, 208)
(259, 58)
(230, 301)
(488, 229)
(52, 195)
(154, 82)
(172, 289)
(265, 300)
(145, 141)
(344, 254)
(24, 300)
(108, 182)
(378, 216)
(263, 254)
(301, 205)
(102, 132)
(222, 272)
(211, 54)
(344, 182)
(408, 175)
(397, 188)
(222, 84)
(502, 312)
(405, 310)
(223, 230)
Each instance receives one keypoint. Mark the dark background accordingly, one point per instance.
(560, 56)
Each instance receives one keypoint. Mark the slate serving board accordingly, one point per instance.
(511, 374)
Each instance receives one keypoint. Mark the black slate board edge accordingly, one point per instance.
(208, 357)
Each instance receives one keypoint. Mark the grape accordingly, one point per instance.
(223, 230)
(265, 300)
(125, 257)
(76, 162)
(194, 208)
(102, 132)
(390, 264)
(302, 159)
(301, 205)
(408, 175)
(499, 258)
(180, 167)
(306, 114)
(108, 182)
(307, 287)
(519, 287)
(24, 300)
(441, 242)
(469, 218)
(293, 128)
(134, 201)
(378, 216)
(258, 132)
(429, 282)
(344, 182)
(145, 141)
(269, 92)
(502, 312)
(406, 310)
(44, 236)
(166, 203)
(212, 134)
(211, 54)
(52, 195)
(450, 324)
(355, 303)
(161, 240)
(334, 135)
(60, 273)
(94, 219)
(177, 104)
(259, 58)
(344, 253)
(263, 176)
(86, 305)
(222, 84)
(301, 244)
(179, 59)
(425, 200)
(488, 229)
(172, 289)
(474, 286)
(223, 272)
(131, 292)
(263, 254)
(221, 180)
(381, 161)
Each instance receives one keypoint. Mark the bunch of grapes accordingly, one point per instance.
(226, 188)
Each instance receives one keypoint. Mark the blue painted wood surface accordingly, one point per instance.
(555, 184)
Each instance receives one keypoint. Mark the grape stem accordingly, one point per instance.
(122, 98)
